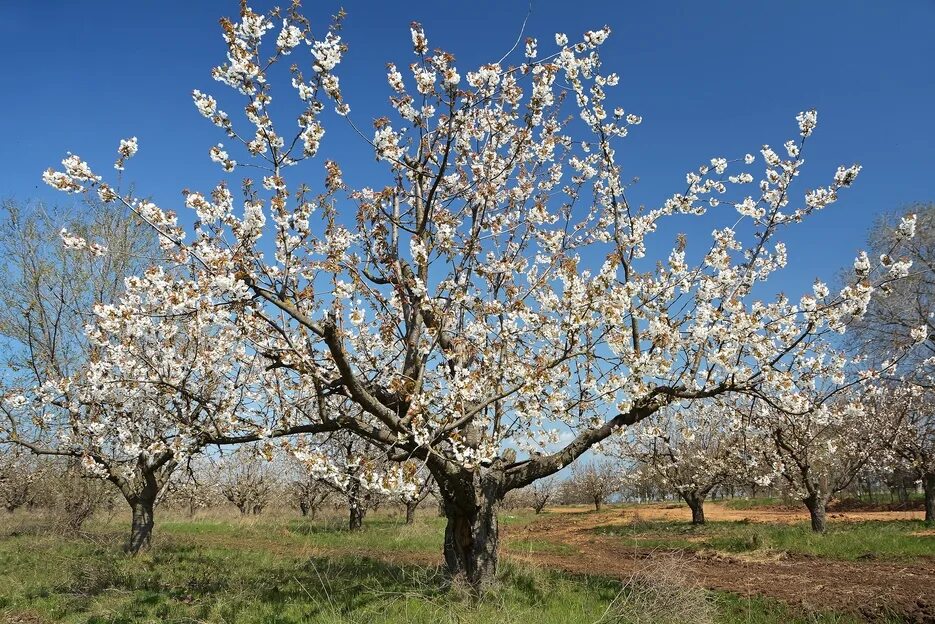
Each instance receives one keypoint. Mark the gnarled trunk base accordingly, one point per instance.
(696, 504)
(472, 535)
(141, 526)
(816, 510)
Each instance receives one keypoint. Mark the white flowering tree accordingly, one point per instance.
(909, 403)
(905, 314)
(493, 286)
(357, 472)
(154, 388)
(692, 448)
(816, 453)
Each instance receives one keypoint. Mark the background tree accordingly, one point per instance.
(906, 315)
(424, 486)
(247, 481)
(308, 494)
(693, 448)
(18, 476)
(595, 481)
(357, 472)
(819, 452)
(191, 488)
(542, 492)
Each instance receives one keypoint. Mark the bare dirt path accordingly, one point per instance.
(715, 511)
(870, 588)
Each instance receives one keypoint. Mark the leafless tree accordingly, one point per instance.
(18, 475)
(247, 482)
(543, 491)
(308, 494)
(596, 481)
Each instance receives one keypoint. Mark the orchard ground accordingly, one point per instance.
(629, 563)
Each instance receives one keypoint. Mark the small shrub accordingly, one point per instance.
(660, 593)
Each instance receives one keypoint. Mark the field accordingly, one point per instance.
(624, 564)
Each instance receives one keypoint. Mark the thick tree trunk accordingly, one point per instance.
(472, 535)
(597, 504)
(141, 527)
(816, 509)
(411, 511)
(696, 504)
(928, 484)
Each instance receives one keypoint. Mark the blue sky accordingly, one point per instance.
(709, 79)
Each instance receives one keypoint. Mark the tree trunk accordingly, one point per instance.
(928, 484)
(816, 509)
(356, 519)
(141, 527)
(597, 504)
(696, 504)
(472, 536)
(355, 505)
(411, 511)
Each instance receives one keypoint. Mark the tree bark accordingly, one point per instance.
(928, 484)
(411, 511)
(356, 517)
(472, 535)
(597, 504)
(141, 526)
(816, 509)
(696, 504)
(355, 505)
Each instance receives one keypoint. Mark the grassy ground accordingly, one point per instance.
(890, 540)
(880, 501)
(287, 570)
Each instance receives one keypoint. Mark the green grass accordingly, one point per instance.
(50, 580)
(382, 534)
(74, 581)
(893, 540)
(287, 570)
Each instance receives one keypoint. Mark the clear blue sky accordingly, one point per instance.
(709, 79)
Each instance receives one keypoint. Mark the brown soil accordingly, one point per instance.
(870, 588)
(715, 511)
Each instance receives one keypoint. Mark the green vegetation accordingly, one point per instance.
(52, 580)
(894, 539)
(292, 536)
(296, 571)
